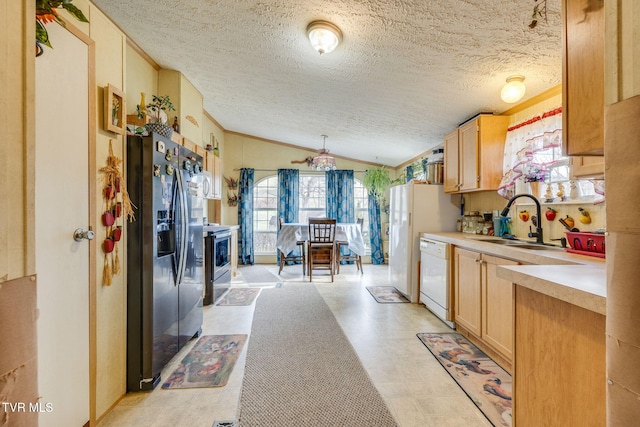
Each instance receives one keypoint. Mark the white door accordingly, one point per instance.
(62, 205)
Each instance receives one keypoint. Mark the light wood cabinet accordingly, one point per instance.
(583, 77)
(483, 301)
(190, 145)
(560, 376)
(468, 290)
(587, 167)
(475, 162)
(213, 165)
(497, 306)
(451, 162)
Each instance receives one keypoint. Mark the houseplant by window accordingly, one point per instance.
(376, 181)
(157, 111)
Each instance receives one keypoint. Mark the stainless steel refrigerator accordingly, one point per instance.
(164, 255)
(415, 209)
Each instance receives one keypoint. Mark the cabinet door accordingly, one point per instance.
(497, 306)
(468, 290)
(217, 177)
(451, 160)
(189, 145)
(208, 162)
(583, 77)
(587, 167)
(468, 164)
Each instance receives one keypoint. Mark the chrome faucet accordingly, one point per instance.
(538, 233)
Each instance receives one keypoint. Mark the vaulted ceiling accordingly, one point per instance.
(406, 73)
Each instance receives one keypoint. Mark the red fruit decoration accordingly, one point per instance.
(524, 215)
(550, 214)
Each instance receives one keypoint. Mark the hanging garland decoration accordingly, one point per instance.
(117, 206)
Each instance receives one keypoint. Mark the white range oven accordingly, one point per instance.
(435, 280)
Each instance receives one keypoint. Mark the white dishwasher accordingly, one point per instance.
(435, 283)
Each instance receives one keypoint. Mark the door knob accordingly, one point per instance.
(80, 234)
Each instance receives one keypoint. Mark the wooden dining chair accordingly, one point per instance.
(293, 257)
(349, 256)
(321, 249)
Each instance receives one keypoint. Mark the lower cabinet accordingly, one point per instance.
(483, 301)
(560, 377)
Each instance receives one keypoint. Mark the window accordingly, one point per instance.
(265, 215)
(361, 201)
(557, 174)
(313, 197)
(313, 202)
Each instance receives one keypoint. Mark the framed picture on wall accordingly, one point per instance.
(114, 117)
(385, 231)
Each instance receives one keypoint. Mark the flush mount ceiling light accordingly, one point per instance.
(323, 161)
(514, 90)
(324, 36)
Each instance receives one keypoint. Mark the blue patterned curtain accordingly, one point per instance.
(340, 200)
(288, 198)
(409, 171)
(377, 256)
(245, 216)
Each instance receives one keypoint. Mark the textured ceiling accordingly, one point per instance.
(406, 73)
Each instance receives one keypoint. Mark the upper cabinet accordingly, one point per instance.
(473, 155)
(583, 77)
(213, 165)
(451, 162)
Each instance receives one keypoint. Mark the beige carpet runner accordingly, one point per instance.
(301, 369)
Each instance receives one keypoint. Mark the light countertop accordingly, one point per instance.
(576, 279)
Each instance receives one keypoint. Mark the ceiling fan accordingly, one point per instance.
(323, 161)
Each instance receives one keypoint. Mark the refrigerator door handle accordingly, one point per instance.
(182, 239)
(185, 230)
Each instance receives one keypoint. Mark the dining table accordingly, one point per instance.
(291, 233)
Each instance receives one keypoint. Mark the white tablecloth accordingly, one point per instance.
(291, 233)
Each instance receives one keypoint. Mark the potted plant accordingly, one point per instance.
(376, 181)
(157, 111)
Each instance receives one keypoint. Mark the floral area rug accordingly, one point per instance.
(209, 363)
(239, 296)
(385, 294)
(487, 384)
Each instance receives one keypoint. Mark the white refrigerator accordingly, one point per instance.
(415, 209)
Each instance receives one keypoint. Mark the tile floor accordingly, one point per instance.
(416, 388)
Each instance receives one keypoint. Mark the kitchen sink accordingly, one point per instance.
(497, 241)
(519, 244)
(535, 247)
